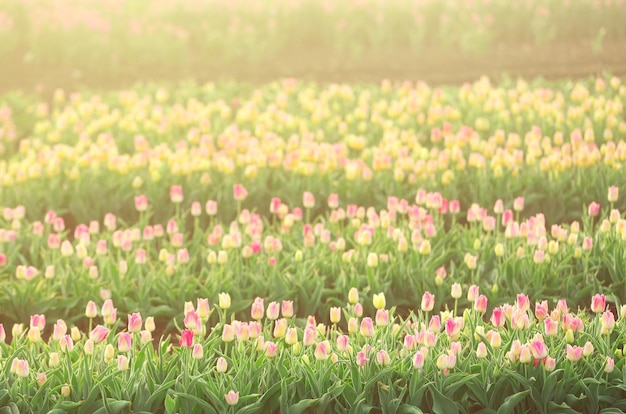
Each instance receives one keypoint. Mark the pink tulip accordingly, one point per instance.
(232, 398)
(333, 201)
(239, 192)
(203, 309)
(382, 317)
(141, 204)
(541, 310)
(322, 351)
(124, 342)
(287, 308)
(481, 304)
(551, 327)
(361, 358)
(270, 349)
(573, 353)
(383, 358)
(186, 338)
(176, 194)
(523, 302)
(99, 334)
(539, 349)
(418, 360)
(367, 327)
(211, 207)
(598, 303)
(257, 311)
(134, 322)
(428, 302)
(273, 310)
(594, 209)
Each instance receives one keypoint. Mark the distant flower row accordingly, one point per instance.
(80, 35)
(464, 142)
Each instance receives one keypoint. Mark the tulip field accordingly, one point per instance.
(301, 247)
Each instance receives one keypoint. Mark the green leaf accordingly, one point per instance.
(302, 406)
(443, 404)
(511, 401)
(113, 406)
(88, 404)
(409, 409)
(611, 410)
(170, 404)
(548, 386)
(563, 408)
(158, 394)
(4, 397)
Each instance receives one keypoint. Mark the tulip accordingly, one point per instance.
(573, 353)
(379, 300)
(257, 309)
(134, 322)
(186, 338)
(270, 349)
(232, 398)
(239, 192)
(382, 317)
(335, 315)
(149, 324)
(353, 296)
(198, 351)
(367, 327)
(472, 293)
(176, 194)
(224, 300)
(456, 291)
(361, 358)
(280, 328)
(91, 311)
(221, 365)
(523, 302)
(598, 303)
(272, 311)
(428, 302)
(21, 368)
(291, 337)
(41, 378)
(124, 342)
(99, 334)
(287, 308)
(481, 304)
(322, 351)
(549, 364)
(122, 362)
(203, 309)
(383, 358)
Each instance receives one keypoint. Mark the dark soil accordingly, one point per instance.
(435, 66)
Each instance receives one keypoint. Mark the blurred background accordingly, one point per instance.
(45, 44)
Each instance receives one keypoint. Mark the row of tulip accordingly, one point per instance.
(515, 358)
(49, 266)
(560, 138)
(100, 35)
